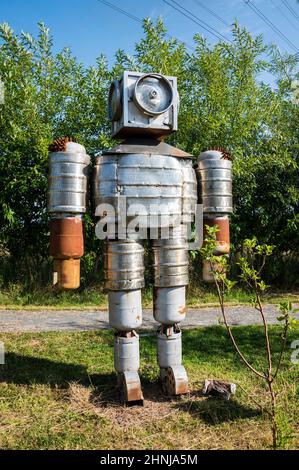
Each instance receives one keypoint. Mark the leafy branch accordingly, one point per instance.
(251, 265)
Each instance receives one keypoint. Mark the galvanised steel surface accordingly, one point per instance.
(159, 184)
(170, 259)
(68, 175)
(169, 349)
(126, 353)
(169, 304)
(171, 265)
(215, 182)
(124, 265)
(125, 309)
(190, 195)
(143, 103)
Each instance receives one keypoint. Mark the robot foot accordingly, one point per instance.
(129, 386)
(174, 380)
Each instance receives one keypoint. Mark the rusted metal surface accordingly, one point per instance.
(130, 388)
(66, 273)
(222, 235)
(174, 380)
(179, 380)
(147, 146)
(66, 238)
(182, 310)
(225, 153)
(207, 274)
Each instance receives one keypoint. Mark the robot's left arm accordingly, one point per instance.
(214, 175)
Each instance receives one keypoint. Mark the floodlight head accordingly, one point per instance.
(143, 104)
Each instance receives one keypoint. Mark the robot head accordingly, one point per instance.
(143, 104)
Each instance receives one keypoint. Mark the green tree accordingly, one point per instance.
(223, 102)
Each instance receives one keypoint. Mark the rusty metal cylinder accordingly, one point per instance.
(222, 247)
(66, 273)
(207, 274)
(169, 304)
(66, 247)
(222, 235)
(66, 238)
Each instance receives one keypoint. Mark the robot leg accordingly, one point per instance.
(124, 270)
(171, 277)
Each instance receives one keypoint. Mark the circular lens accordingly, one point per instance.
(153, 94)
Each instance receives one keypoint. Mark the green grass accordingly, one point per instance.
(17, 297)
(57, 391)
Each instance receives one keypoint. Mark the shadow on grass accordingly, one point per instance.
(28, 370)
(215, 411)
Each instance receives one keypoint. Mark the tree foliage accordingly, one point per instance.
(223, 102)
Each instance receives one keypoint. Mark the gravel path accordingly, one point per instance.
(71, 320)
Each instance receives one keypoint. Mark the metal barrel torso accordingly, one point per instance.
(153, 185)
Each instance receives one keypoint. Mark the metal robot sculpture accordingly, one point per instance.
(158, 180)
(147, 180)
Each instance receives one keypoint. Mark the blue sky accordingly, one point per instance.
(89, 27)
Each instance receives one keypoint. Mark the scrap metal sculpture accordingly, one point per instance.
(144, 191)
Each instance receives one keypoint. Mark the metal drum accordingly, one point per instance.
(153, 185)
(171, 259)
(169, 305)
(68, 175)
(126, 353)
(169, 349)
(215, 182)
(125, 309)
(171, 265)
(124, 265)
